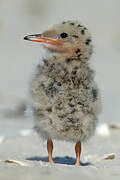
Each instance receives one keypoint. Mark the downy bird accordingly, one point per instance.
(65, 97)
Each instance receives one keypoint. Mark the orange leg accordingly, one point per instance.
(50, 150)
(78, 152)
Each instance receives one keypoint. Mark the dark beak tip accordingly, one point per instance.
(26, 38)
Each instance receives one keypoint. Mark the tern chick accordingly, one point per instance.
(65, 97)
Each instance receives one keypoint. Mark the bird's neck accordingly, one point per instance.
(66, 62)
(71, 72)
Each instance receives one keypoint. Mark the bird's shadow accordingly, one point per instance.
(60, 160)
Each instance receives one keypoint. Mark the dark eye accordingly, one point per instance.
(63, 35)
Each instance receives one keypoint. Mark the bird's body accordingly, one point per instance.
(65, 98)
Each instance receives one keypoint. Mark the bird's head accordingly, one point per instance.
(69, 38)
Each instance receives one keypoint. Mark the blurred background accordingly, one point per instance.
(18, 57)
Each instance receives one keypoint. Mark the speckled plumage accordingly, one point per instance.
(65, 98)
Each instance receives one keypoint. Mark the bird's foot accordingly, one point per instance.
(77, 164)
(51, 161)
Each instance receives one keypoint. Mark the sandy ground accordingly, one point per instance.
(28, 160)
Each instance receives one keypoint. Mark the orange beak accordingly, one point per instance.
(39, 38)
